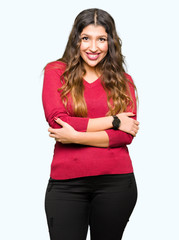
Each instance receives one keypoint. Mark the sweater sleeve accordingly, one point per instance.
(118, 138)
(52, 103)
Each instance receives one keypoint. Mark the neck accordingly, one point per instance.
(91, 71)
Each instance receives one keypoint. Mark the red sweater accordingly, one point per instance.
(75, 160)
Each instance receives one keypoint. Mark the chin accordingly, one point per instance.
(92, 64)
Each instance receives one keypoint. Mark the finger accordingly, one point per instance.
(51, 130)
(52, 135)
(132, 133)
(136, 122)
(129, 114)
(59, 121)
(136, 131)
(136, 127)
(57, 139)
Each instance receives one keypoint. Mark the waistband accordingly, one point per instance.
(95, 177)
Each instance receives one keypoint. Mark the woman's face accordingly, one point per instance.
(94, 45)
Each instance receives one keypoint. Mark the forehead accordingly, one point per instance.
(94, 30)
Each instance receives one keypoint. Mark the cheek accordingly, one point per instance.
(83, 46)
(104, 48)
(81, 50)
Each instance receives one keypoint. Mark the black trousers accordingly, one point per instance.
(103, 202)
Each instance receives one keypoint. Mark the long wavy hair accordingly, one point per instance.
(113, 76)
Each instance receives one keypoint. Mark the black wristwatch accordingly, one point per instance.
(116, 122)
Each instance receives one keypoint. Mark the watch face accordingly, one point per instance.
(116, 122)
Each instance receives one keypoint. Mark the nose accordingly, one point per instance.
(93, 46)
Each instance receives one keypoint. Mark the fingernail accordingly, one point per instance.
(55, 118)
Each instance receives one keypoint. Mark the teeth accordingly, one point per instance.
(93, 55)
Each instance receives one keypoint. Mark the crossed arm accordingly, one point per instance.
(94, 132)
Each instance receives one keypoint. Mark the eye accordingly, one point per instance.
(85, 38)
(102, 39)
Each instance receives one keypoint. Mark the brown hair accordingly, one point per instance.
(113, 77)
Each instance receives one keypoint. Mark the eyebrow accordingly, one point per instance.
(90, 35)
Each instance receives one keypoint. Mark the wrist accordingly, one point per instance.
(110, 121)
(119, 115)
(77, 136)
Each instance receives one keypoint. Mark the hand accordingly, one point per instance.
(128, 124)
(65, 135)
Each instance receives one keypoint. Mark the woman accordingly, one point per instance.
(89, 102)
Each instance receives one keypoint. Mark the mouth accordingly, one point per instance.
(92, 56)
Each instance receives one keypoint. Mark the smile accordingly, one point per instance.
(92, 56)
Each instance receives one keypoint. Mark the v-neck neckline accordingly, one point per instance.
(92, 84)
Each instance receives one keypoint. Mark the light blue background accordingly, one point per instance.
(34, 33)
